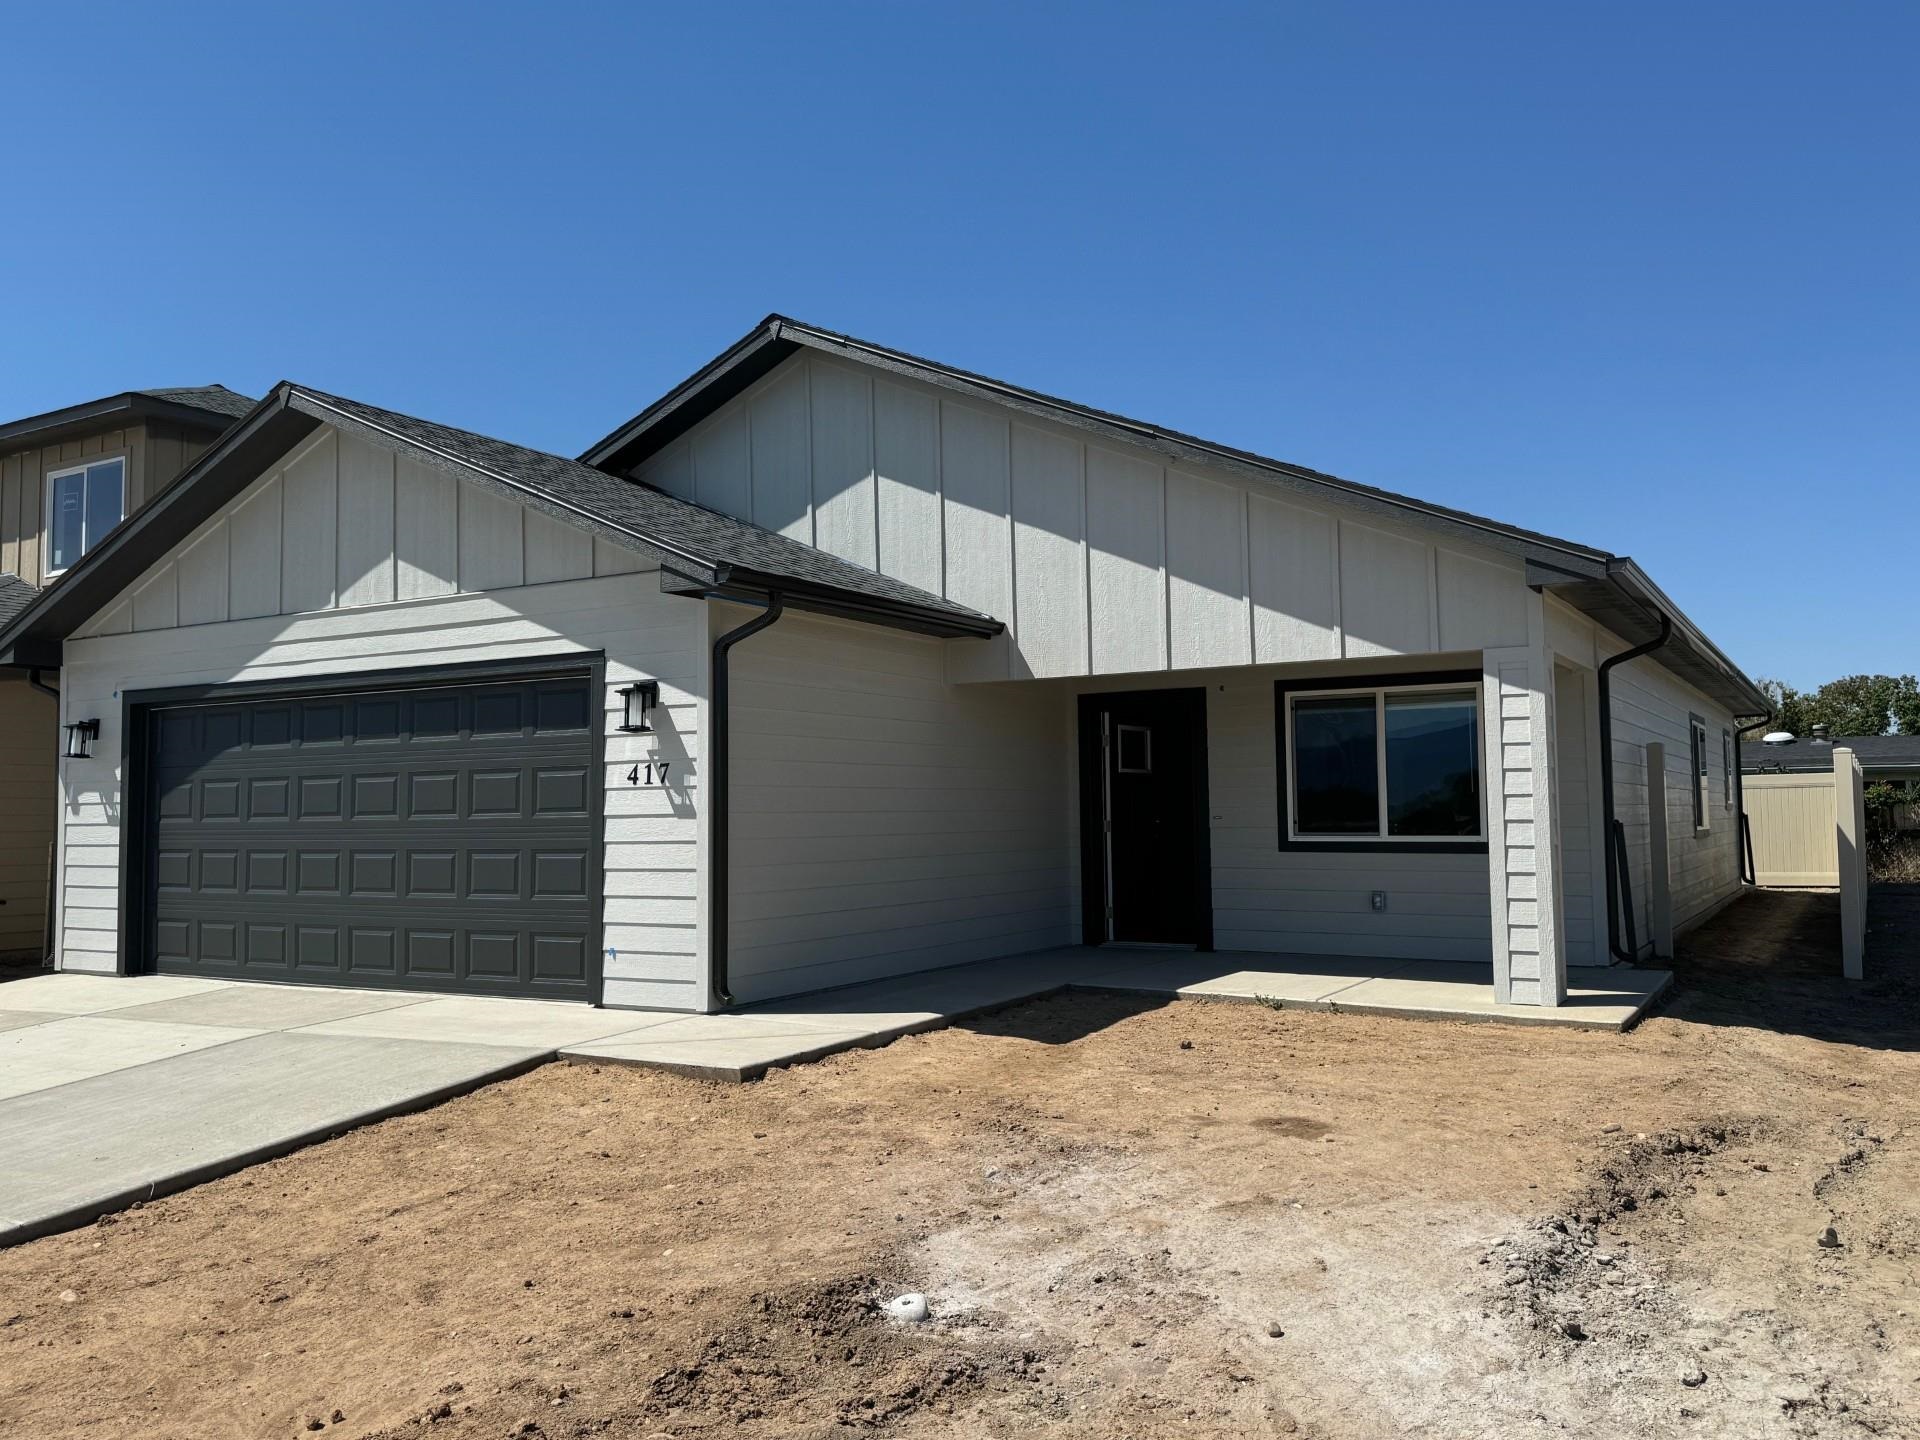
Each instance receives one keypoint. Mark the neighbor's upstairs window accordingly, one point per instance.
(1388, 763)
(83, 504)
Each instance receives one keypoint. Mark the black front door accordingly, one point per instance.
(1144, 817)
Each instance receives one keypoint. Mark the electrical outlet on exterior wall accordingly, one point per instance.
(1379, 901)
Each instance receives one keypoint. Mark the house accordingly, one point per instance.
(66, 479)
(833, 664)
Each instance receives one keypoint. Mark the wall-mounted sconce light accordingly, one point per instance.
(80, 737)
(642, 700)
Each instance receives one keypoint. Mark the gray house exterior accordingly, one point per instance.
(834, 664)
(66, 477)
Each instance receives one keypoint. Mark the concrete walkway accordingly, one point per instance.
(121, 1089)
(749, 1042)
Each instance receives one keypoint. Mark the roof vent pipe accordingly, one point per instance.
(1821, 735)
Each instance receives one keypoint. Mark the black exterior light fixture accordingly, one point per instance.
(80, 737)
(641, 700)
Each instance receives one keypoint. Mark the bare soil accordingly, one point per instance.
(1130, 1220)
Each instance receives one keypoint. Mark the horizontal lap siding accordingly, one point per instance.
(29, 740)
(392, 540)
(1650, 704)
(1317, 902)
(884, 821)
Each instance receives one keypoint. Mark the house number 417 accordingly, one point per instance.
(652, 772)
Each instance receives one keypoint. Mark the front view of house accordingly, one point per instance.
(836, 664)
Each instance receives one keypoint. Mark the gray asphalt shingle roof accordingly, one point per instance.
(1875, 752)
(215, 399)
(15, 595)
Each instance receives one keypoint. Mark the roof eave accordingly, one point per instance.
(80, 419)
(34, 637)
(752, 586)
(1629, 604)
(777, 337)
(754, 355)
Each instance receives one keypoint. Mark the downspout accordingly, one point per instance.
(1605, 689)
(717, 833)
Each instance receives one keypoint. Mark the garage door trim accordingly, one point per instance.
(137, 706)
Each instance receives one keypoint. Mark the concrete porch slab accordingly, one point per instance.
(745, 1043)
(1309, 979)
(724, 1047)
(1597, 999)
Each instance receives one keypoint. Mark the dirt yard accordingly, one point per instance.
(1132, 1221)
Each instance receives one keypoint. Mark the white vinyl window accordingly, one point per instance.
(1396, 764)
(84, 502)
(1726, 770)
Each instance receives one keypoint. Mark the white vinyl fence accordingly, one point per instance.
(1792, 821)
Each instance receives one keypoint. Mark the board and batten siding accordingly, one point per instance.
(345, 560)
(155, 455)
(884, 820)
(1100, 558)
(1652, 704)
(1310, 902)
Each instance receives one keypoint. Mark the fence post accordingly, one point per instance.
(1850, 835)
(1659, 877)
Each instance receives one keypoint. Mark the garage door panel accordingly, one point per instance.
(439, 838)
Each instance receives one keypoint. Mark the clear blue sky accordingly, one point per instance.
(1646, 276)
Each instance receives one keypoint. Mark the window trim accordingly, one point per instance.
(79, 467)
(1698, 774)
(1726, 769)
(1285, 692)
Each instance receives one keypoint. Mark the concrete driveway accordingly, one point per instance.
(116, 1089)
(120, 1089)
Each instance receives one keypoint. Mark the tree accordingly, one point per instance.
(1788, 705)
(1851, 705)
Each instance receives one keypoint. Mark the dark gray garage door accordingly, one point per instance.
(421, 839)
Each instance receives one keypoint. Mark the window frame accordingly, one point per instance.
(1286, 692)
(1698, 774)
(1726, 769)
(87, 543)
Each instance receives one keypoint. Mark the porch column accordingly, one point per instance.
(1523, 862)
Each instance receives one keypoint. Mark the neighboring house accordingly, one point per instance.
(835, 664)
(66, 479)
(1892, 758)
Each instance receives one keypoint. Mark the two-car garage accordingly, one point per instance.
(435, 836)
